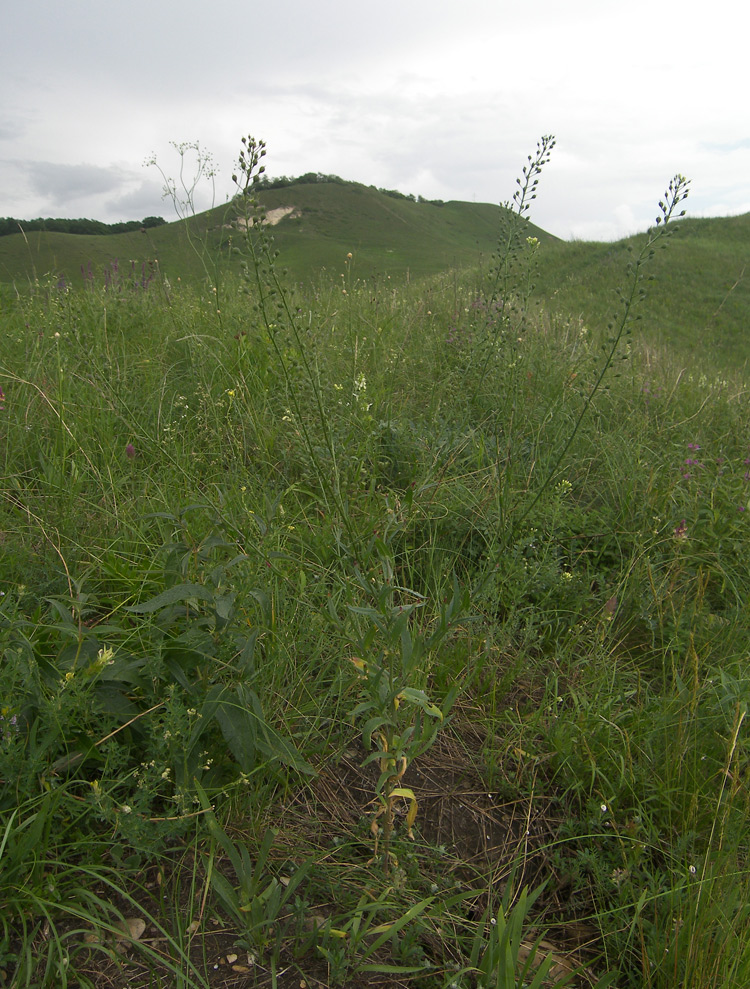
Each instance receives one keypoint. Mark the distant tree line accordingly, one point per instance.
(9, 225)
(312, 178)
(395, 194)
(309, 178)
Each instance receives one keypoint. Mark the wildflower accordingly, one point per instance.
(618, 876)
(105, 657)
(12, 721)
(130, 451)
(2, 400)
(604, 808)
(681, 531)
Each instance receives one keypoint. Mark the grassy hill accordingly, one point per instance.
(378, 636)
(699, 297)
(389, 236)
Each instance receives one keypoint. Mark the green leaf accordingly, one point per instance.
(411, 914)
(180, 592)
(420, 699)
(238, 728)
(223, 603)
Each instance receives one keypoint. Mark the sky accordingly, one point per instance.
(442, 100)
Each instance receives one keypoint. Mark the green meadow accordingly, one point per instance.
(374, 599)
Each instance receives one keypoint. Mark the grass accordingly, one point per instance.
(338, 645)
(400, 239)
(390, 237)
(684, 311)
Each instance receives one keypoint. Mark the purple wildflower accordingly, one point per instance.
(12, 721)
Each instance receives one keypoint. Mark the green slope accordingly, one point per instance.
(699, 298)
(386, 235)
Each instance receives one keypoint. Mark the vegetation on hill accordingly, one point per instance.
(394, 235)
(361, 630)
(9, 225)
(328, 219)
(315, 178)
(699, 297)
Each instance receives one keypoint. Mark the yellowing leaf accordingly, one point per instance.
(132, 927)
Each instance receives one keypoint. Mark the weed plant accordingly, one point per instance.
(301, 604)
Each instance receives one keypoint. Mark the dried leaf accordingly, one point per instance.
(131, 928)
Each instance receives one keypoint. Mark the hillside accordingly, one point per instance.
(393, 636)
(326, 221)
(699, 298)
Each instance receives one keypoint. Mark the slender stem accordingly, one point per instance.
(676, 193)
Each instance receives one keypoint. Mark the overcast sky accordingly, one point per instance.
(436, 99)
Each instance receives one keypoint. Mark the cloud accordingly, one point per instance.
(145, 199)
(726, 147)
(445, 105)
(60, 184)
(10, 130)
